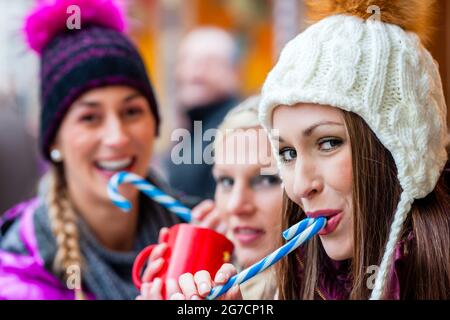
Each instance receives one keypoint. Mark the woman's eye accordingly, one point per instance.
(89, 118)
(287, 154)
(225, 182)
(134, 111)
(266, 181)
(329, 144)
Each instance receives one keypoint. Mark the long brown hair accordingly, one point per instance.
(376, 193)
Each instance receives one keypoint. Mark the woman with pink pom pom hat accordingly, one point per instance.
(98, 116)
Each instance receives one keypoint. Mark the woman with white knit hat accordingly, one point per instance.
(357, 105)
(356, 114)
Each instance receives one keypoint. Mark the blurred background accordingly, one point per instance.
(260, 27)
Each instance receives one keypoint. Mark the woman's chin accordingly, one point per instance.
(99, 190)
(128, 191)
(337, 252)
(246, 260)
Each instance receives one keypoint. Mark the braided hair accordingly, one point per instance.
(63, 221)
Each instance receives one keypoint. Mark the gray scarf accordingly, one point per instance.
(107, 274)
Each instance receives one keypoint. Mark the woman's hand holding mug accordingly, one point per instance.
(198, 286)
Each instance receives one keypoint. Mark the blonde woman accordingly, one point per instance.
(248, 199)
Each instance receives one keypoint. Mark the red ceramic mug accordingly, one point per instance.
(190, 249)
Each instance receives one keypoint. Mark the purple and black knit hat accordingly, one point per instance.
(75, 61)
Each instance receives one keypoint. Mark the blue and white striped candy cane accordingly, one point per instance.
(149, 189)
(271, 259)
(297, 228)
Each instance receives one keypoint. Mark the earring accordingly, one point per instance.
(56, 155)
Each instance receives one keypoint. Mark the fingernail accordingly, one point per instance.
(220, 277)
(195, 214)
(195, 297)
(204, 288)
(177, 296)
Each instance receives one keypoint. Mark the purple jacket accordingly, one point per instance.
(335, 281)
(24, 277)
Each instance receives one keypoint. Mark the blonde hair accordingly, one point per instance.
(243, 116)
(63, 221)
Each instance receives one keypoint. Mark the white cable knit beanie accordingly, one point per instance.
(382, 73)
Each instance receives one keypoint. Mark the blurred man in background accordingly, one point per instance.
(207, 88)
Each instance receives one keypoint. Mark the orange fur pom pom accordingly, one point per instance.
(411, 15)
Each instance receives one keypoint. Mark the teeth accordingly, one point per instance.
(115, 165)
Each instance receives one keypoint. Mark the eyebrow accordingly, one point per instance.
(90, 104)
(95, 104)
(133, 96)
(308, 131)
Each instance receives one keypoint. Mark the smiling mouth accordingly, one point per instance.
(114, 166)
(247, 235)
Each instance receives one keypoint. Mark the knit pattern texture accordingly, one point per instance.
(385, 75)
(74, 61)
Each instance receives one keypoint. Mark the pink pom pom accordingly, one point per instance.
(50, 17)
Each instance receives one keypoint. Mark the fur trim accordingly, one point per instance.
(49, 18)
(411, 15)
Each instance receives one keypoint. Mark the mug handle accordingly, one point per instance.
(139, 262)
